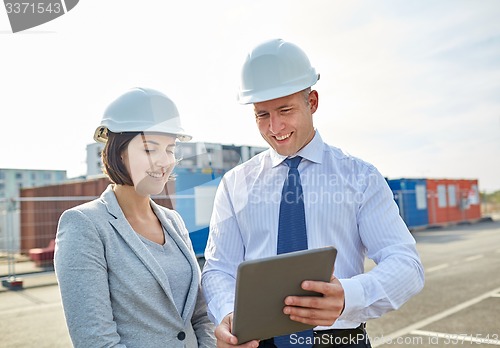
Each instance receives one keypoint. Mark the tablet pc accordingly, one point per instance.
(263, 284)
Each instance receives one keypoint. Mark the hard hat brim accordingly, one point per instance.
(101, 135)
(251, 96)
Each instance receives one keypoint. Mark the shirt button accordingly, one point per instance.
(181, 336)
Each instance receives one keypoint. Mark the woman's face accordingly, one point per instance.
(149, 159)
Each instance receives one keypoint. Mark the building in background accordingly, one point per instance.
(198, 174)
(192, 155)
(210, 155)
(94, 163)
(11, 182)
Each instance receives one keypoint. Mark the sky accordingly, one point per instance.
(412, 87)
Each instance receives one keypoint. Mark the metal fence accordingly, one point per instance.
(9, 238)
(28, 224)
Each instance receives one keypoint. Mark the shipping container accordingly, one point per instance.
(453, 201)
(194, 198)
(441, 200)
(41, 207)
(411, 197)
(470, 198)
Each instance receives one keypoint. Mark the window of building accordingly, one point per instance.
(231, 156)
(256, 150)
(186, 153)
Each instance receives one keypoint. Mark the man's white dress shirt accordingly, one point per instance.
(348, 204)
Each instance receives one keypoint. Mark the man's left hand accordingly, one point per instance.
(317, 311)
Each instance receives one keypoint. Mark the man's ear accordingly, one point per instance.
(313, 101)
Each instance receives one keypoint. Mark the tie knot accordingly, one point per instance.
(293, 162)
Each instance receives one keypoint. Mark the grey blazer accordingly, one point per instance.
(114, 293)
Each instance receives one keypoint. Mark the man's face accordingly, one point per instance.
(286, 123)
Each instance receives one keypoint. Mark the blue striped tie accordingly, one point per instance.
(292, 234)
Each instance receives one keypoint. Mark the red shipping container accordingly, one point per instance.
(471, 199)
(437, 202)
(41, 207)
(452, 201)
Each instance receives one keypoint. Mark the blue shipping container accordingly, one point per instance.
(194, 196)
(411, 197)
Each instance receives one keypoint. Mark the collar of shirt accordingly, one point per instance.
(312, 152)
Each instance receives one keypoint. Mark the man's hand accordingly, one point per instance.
(317, 311)
(226, 339)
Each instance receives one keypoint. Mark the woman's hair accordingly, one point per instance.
(113, 165)
(112, 161)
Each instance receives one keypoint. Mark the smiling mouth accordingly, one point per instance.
(155, 175)
(283, 137)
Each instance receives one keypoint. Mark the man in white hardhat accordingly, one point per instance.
(341, 201)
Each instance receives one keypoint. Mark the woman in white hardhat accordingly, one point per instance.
(125, 265)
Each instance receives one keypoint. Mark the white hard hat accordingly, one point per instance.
(141, 110)
(275, 69)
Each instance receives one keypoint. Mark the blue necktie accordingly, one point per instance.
(292, 234)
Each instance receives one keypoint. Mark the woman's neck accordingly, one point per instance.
(131, 203)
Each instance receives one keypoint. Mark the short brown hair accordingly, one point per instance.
(305, 94)
(113, 165)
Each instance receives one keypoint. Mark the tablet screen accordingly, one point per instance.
(262, 286)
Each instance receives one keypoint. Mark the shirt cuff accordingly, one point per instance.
(217, 315)
(354, 298)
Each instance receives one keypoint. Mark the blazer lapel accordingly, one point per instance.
(121, 225)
